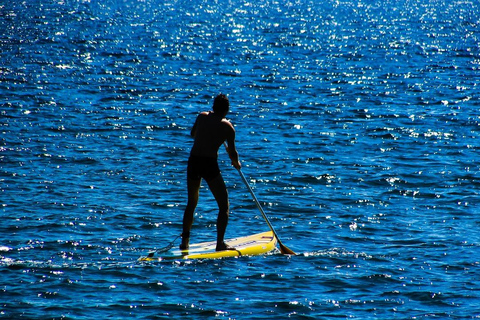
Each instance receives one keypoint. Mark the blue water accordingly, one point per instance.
(357, 125)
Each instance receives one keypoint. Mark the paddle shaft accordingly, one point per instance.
(257, 203)
(283, 248)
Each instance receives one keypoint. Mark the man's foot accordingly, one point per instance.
(223, 246)
(185, 242)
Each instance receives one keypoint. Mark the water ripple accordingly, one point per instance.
(357, 125)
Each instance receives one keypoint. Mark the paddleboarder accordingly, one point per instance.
(210, 131)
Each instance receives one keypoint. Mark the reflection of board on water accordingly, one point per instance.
(256, 244)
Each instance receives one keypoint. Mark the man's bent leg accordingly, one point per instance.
(193, 188)
(219, 191)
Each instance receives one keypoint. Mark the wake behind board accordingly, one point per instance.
(256, 244)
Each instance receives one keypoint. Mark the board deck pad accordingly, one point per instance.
(255, 244)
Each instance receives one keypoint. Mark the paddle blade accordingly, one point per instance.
(285, 250)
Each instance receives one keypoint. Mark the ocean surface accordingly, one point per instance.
(358, 126)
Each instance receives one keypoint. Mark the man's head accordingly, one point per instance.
(221, 105)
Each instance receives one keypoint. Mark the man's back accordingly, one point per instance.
(210, 131)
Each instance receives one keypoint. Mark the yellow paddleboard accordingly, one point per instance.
(256, 244)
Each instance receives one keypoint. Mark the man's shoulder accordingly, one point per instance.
(227, 123)
(228, 128)
(202, 116)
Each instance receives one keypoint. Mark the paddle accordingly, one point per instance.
(283, 249)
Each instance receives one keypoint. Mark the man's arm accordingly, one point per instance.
(232, 150)
(193, 132)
